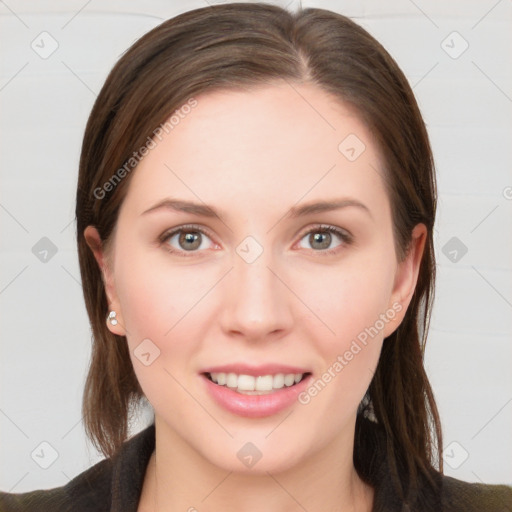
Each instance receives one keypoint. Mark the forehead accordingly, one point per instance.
(267, 145)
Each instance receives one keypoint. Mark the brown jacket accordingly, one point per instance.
(115, 485)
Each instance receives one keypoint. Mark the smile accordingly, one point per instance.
(255, 385)
(255, 396)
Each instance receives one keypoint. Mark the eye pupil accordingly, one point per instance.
(323, 238)
(192, 238)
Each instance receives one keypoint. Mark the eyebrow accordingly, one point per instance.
(325, 206)
(184, 206)
(205, 210)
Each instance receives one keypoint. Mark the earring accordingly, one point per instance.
(112, 318)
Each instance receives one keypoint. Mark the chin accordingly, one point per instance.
(249, 460)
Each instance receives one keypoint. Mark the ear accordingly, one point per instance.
(94, 242)
(406, 278)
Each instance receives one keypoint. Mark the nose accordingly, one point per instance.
(257, 304)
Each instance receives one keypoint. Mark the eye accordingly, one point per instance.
(325, 239)
(186, 239)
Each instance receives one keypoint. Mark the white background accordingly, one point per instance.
(45, 339)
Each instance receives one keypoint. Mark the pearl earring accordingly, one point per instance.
(112, 318)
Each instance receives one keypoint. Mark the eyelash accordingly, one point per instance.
(345, 237)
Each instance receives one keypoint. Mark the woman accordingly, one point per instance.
(255, 209)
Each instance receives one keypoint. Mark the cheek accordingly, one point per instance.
(157, 302)
(159, 309)
(156, 295)
(349, 299)
(353, 304)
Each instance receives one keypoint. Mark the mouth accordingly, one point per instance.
(256, 384)
(255, 391)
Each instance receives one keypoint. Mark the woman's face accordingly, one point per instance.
(295, 273)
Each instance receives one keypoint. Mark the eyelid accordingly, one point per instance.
(166, 235)
(345, 236)
(343, 233)
(184, 227)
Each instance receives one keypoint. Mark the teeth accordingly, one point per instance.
(278, 381)
(265, 383)
(248, 383)
(289, 380)
(231, 380)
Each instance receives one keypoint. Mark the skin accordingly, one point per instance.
(253, 155)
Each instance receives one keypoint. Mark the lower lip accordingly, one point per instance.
(255, 406)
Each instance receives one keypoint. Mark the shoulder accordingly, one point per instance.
(90, 490)
(111, 484)
(431, 491)
(474, 497)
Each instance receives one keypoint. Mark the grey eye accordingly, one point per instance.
(321, 239)
(189, 240)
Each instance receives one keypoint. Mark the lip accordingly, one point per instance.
(255, 406)
(255, 371)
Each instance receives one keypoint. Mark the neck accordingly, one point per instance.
(179, 478)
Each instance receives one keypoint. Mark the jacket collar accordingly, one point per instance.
(129, 470)
(130, 464)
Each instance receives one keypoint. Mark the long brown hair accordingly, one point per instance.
(242, 45)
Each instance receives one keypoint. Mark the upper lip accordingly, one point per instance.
(245, 369)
